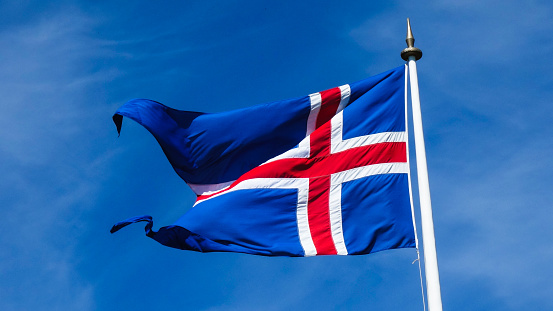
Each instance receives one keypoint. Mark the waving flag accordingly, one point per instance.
(321, 174)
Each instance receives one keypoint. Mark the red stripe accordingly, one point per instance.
(320, 141)
(324, 165)
(318, 215)
(330, 100)
(329, 164)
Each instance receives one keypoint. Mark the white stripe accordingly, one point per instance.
(369, 170)
(304, 232)
(209, 188)
(336, 131)
(302, 151)
(258, 183)
(346, 92)
(335, 214)
(315, 99)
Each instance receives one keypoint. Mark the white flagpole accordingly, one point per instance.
(411, 54)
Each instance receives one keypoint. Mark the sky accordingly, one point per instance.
(486, 91)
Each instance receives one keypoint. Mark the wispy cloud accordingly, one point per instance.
(48, 169)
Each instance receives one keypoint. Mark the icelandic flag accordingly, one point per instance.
(322, 174)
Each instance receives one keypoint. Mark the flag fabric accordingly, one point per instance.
(321, 174)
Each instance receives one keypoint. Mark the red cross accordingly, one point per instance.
(319, 167)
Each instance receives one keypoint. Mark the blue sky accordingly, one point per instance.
(486, 91)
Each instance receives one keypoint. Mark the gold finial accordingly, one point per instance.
(411, 50)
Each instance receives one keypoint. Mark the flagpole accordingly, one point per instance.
(411, 54)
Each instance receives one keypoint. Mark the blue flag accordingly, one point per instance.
(322, 174)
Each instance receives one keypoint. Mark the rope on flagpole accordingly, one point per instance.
(420, 277)
(411, 54)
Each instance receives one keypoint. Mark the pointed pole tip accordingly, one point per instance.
(411, 50)
(410, 39)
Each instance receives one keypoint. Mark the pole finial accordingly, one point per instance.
(411, 50)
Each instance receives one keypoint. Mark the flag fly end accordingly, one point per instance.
(118, 226)
(118, 120)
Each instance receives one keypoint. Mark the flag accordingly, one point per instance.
(322, 174)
